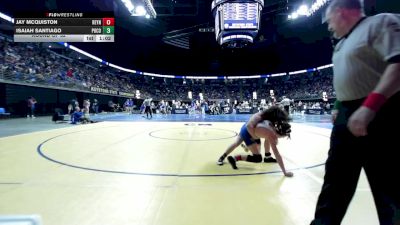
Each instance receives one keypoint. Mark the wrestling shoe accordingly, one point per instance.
(269, 159)
(220, 161)
(232, 161)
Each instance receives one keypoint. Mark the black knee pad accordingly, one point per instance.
(254, 158)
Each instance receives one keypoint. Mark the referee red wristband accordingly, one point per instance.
(374, 101)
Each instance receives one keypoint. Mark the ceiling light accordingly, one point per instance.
(140, 8)
(304, 10)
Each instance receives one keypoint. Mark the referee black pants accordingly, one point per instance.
(148, 111)
(378, 154)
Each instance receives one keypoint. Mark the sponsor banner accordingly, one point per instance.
(112, 92)
(314, 111)
(243, 110)
(180, 111)
(227, 110)
(130, 95)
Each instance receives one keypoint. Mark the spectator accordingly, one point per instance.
(31, 103)
(95, 106)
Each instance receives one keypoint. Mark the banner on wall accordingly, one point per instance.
(112, 92)
(180, 111)
(314, 111)
(244, 110)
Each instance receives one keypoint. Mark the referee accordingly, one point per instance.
(367, 82)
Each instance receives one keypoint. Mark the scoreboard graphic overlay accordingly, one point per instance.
(64, 27)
